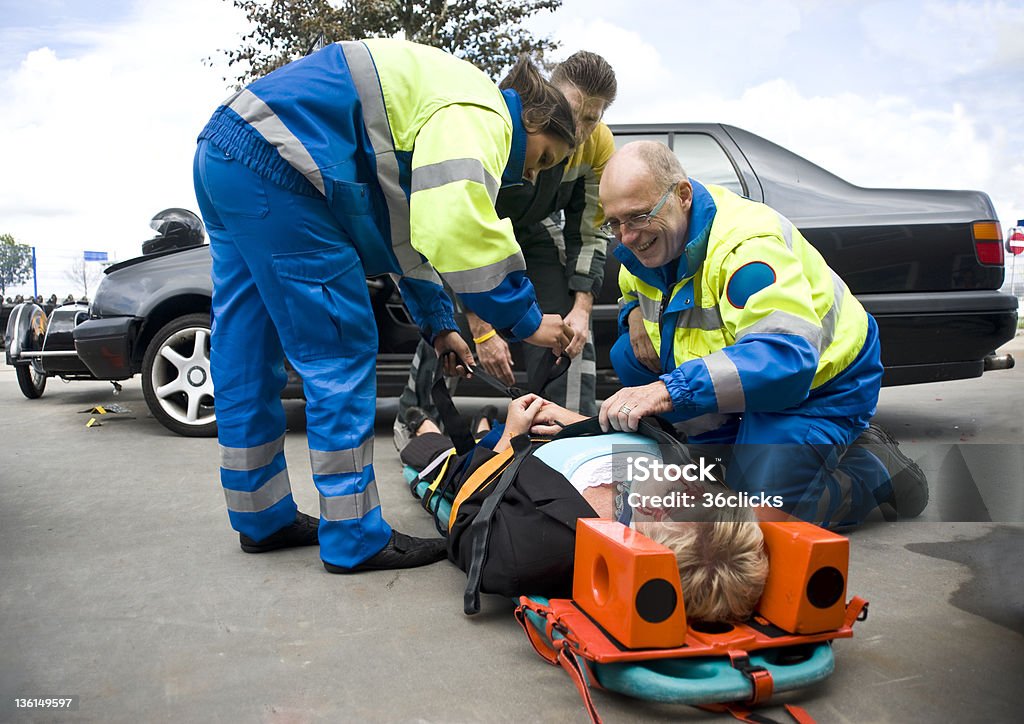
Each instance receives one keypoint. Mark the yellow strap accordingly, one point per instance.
(479, 477)
(440, 475)
(484, 337)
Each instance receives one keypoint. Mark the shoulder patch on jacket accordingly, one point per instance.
(747, 281)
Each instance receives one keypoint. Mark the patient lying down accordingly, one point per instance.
(720, 550)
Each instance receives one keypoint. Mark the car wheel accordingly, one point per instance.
(31, 381)
(176, 377)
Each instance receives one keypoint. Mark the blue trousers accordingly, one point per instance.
(287, 280)
(806, 460)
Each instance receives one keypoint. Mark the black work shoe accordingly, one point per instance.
(402, 551)
(406, 425)
(303, 532)
(909, 485)
(413, 417)
(488, 414)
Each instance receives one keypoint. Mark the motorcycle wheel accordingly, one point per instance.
(31, 382)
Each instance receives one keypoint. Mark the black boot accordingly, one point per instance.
(909, 485)
(303, 532)
(406, 425)
(402, 551)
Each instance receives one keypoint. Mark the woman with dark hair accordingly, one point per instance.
(364, 158)
(556, 220)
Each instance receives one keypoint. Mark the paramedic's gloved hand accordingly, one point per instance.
(624, 410)
(519, 418)
(552, 418)
(641, 343)
(462, 361)
(553, 333)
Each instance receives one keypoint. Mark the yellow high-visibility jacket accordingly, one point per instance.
(750, 317)
(409, 145)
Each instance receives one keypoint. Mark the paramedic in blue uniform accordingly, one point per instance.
(364, 158)
(733, 326)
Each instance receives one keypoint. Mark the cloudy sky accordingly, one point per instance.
(100, 102)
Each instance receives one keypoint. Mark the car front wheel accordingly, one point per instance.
(176, 377)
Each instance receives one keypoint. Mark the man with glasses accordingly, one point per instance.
(733, 327)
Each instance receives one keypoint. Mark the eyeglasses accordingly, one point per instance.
(640, 221)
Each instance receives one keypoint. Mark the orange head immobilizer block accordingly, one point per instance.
(629, 585)
(807, 568)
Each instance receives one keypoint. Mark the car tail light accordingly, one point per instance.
(988, 238)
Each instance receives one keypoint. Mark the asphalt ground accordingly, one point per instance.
(122, 584)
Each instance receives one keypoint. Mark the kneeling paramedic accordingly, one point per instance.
(733, 326)
(363, 158)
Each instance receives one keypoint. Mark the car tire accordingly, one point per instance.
(31, 382)
(176, 378)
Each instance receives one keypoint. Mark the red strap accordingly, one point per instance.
(746, 715)
(856, 610)
(571, 663)
(763, 686)
(799, 714)
(760, 678)
(536, 640)
(736, 711)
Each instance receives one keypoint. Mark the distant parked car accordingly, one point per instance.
(926, 264)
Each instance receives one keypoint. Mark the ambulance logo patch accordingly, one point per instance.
(747, 281)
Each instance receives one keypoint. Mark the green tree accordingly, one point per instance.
(487, 33)
(15, 263)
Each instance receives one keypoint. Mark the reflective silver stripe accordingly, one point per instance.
(787, 230)
(262, 117)
(227, 101)
(650, 308)
(828, 323)
(702, 423)
(350, 507)
(725, 378)
(434, 175)
(332, 462)
(626, 299)
(484, 278)
(785, 323)
(250, 458)
(271, 492)
(579, 369)
(435, 463)
(378, 128)
(709, 319)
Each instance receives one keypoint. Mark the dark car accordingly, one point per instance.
(926, 264)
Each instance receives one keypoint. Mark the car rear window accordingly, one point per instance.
(701, 155)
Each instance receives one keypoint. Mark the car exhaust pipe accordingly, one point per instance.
(1000, 362)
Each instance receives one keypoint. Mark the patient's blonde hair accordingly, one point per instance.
(723, 565)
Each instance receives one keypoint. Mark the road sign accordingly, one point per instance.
(1015, 241)
(94, 256)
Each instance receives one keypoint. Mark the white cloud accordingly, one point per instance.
(871, 139)
(99, 120)
(97, 142)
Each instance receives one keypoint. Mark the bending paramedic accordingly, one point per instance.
(363, 158)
